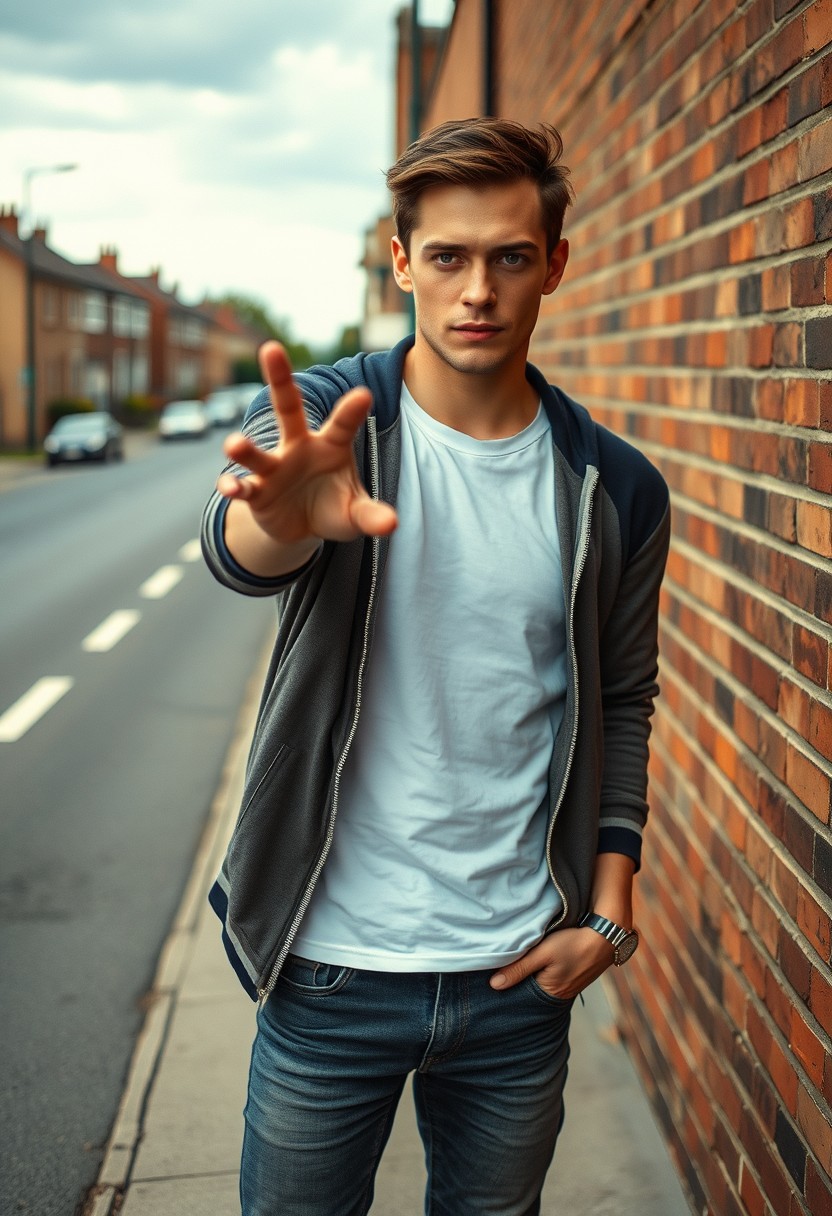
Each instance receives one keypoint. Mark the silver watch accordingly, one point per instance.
(624, 941)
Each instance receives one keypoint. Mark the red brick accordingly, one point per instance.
(817, 26)
(807, 1047)
(815, 1126)
(808, 782)
(818, 1190)
(796, 965)
(814, 154)
(820, 728)
(810, 654)
(776, 288)
(820, 458)
(783, 168)
(814, 922)
(787, 347)
(807, 282)
(793, 706)
(814, 528)
(801, 401)
(750, 1192)
(820, 999)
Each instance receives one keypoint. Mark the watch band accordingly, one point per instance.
(623, 941)
(607, 928)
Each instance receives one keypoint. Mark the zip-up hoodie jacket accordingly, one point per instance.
(613, 521)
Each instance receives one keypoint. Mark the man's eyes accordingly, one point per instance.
(452, 259)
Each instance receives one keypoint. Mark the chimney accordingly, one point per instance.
(40, 233)
(154, 274)
(108, 258)
(8, 220)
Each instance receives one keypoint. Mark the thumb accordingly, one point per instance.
(508, 976)
(371, 517)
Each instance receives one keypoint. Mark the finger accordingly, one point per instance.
(342, 425)
(286, 399)
(373, 518)
(242, 451)
(530, 962)
(243, 488)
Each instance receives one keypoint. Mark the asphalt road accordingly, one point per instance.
(124, 666)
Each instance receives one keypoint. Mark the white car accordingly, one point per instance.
(183, 420)
(224, 407)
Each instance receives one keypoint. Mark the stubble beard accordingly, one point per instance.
(480, 366)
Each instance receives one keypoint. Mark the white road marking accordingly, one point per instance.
(32, 705)
(111, 631)
(160, 583)
(191, 552)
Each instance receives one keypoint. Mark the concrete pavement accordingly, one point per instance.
(175, 1146)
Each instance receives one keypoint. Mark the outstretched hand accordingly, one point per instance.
(308, 486)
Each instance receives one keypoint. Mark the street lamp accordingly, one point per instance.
(28, 174)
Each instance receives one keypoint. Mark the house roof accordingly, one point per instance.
(48, 264)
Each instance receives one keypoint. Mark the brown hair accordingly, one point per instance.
(479, 152)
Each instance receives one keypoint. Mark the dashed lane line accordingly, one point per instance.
(191, 552)
(25, 712)
(111, 631)
(160, 583)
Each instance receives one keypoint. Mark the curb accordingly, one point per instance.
(106, 1196)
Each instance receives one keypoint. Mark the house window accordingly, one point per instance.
(121, 317)
(141, 374)
(95, 312)
(140, 320)
(121, 374)
(74, 310)
(50, 304)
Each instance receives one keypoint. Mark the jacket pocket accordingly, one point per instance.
(262, 785)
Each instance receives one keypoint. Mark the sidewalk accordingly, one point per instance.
(175, 1147)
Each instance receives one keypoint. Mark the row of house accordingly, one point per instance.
(91, 332)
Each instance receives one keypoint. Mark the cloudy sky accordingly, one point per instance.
(237, 146)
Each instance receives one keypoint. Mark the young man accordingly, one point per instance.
(446, 788)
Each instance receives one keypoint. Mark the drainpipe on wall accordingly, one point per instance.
(415, 71)
(488, 58)
(415, 101)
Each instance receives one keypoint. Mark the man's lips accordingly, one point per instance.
(476, 332)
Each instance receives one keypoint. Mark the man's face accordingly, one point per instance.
(478, 268)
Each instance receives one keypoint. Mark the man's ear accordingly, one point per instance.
(557, 265)
(401, 265)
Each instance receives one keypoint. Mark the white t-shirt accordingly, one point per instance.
(438, 857)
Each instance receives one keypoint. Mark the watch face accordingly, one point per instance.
(626, 949)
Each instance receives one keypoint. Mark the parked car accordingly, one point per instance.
(77, 437)
(183, 420)
(224, 407)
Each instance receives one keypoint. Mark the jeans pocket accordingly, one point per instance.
(312, 978)
(542, 995)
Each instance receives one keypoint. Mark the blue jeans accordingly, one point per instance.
(333, 1049)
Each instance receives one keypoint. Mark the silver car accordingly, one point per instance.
(183, 420)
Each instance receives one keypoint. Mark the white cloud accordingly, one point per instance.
(238, 149)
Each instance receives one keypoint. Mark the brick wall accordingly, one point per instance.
(695, 318)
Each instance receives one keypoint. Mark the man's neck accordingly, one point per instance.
(491, 405)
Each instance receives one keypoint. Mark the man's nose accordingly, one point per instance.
(479, 287)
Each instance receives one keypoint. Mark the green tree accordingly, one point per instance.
(255, 314)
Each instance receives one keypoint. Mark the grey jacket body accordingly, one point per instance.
(612, 516)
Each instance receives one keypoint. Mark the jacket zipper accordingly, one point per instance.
(586, 526)
(264, 993)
